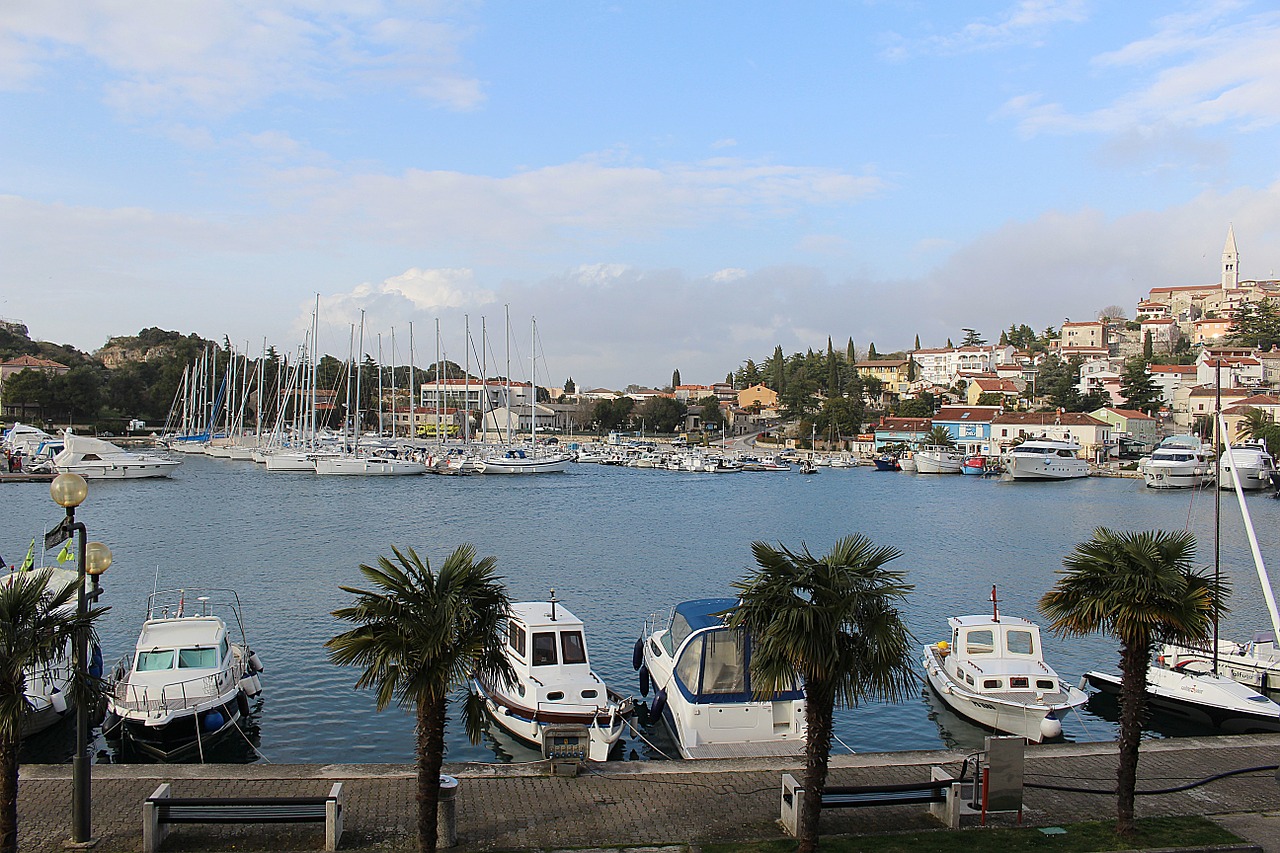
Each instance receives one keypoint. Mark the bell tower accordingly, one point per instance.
(1230, 262)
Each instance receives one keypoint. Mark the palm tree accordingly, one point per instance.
(37, 624)
(834, 620)
(1140, 588)
(940, 436)
(420, 635)
(1259, 426)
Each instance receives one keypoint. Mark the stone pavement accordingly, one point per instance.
(519, 807)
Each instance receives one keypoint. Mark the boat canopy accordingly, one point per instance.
(712, 662)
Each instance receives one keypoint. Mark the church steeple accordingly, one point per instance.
(1230, 262)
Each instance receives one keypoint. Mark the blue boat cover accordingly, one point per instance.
(701, 612)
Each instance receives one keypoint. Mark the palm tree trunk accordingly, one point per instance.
(1134, 659)
(818, 713)
(9, 796)
(430, 736)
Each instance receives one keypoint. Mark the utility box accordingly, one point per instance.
(567, 746)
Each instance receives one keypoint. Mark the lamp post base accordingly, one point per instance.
(80, 845)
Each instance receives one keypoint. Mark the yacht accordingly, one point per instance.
(371, 465)
(992, 671)
(95, 459)
(1190, 692)
(1250, 464)
(700, 671)
(1180, 462)
(517, 461)
(1045, 459)
(938, 459)
(190, 678)
(555, 685)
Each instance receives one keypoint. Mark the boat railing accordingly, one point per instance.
(205, 601)
(174, 696)
(657, 621)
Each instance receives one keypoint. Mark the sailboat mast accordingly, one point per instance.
(358, 365)
(466, 394)
(533, 383)
(380, 394)
(508, 400)
(1217, 497)
(413, 391)
(439, 386)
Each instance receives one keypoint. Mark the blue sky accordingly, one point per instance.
(662, 185)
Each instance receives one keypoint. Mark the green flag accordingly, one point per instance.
(30, 562)
(66, 553)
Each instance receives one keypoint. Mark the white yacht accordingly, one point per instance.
(555, 685)
(47, 688)
(1045, 459)
(1180, 462)
(938, 459)
(517, 461)
(1250, 464)
(372, 465)
(1190, 692)
(189, 680)
(95, 459)
(992, 671)
(701, 672)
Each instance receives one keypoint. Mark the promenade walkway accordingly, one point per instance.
(519, 807)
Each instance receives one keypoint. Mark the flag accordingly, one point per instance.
(66, 553)
(30, 562)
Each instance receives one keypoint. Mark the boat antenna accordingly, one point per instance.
(553, 604)
(995, 609)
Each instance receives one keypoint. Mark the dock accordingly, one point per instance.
(670, 804)
(26, 477)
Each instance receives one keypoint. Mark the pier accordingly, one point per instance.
(631, 803)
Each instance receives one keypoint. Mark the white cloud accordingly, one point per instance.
(726, 275)
(218, 56)
(1195, 71)
(1025, 22)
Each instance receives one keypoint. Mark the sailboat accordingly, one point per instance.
(520, 460)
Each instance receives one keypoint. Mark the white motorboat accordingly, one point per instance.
(359, 465)
(992, 671)
(517, 461)
(23, 439)
(938, 459)
(1248, 463)
(190, 678)
(555, 685)
(763, 463)
(701, 672)
(96, 459)
(1045, 459)
(1198, 696)
(907, 461)
(1180, 462)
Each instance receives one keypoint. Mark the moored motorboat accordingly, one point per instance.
(96, 459)
(1248, 463)
(975, 465)
(700, 671)
(1045, 459)
(555, 684)
(1180, 462)
(1190, 693)
(517, 461)
(371, 465)
(993, 672)
(886, 462)
(190, 678)
(938, 459)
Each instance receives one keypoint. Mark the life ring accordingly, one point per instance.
(637, 654)
(644, 681)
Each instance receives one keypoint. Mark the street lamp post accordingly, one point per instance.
(92, 559)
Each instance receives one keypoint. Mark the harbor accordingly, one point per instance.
(672, 805)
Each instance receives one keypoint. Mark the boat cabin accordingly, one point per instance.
(172, 650)
(998, 656)
(712, 663)
(547, 646)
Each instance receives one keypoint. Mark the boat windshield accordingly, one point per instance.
(679, 632)
(1037, 450)
(714, 664)
(982, 642)
(197, 658)
(155, 660)
(544, 649)
(574, 651)
(1171, 456)
(1019, 642)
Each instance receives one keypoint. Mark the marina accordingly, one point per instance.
(619, 543)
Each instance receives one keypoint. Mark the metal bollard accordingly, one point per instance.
(447, 813)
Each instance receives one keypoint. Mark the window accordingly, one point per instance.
(981, 642)
(1045, 684)
(688, 666)
(992, 684)
(516, 638)
(152, 661)
(197, 658)
(544, 649)
(555, 696)
(1019, 642)
(1019, 683)
(223, 648)
(590, 694)
(723, 668)
(572, 648)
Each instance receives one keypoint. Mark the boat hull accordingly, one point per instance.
(1188, 697)
(501, 465)
(1041, 468)
(604, 725)
(928, 462)
(368, 467)
(186, 736)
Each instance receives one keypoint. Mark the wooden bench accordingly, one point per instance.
(160, 811)
(940, 790)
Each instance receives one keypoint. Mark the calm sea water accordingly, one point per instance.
(616, 544)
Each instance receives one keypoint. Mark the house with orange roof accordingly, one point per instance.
(1234, 415)
(26, 362)
(1164, 333)
(1009, 392)
(969, 426)
(901, 431)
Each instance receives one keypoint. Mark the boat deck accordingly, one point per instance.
(752, 749)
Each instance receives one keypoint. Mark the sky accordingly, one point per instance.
(657, 186)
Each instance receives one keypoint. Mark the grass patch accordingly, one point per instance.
(1089, 837)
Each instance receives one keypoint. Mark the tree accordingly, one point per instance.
(835, 621)
(1256, 324)
(917, 407)
(27, 389)
(871, 352)
(840, 416)
(663, 414)
(1257, 425)
(950, 345)
(917, 346)
(971, 339)
(1148, 347)
(709, 411)
(1141, 589)
(940, 436)
(611, 414)
(1112, 312)
(37, 623)
(675, 379)
(420, 634)
(570, 387)
(1138, 389)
